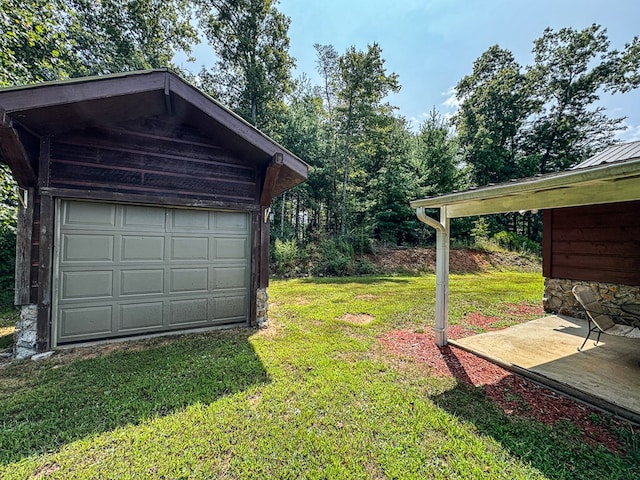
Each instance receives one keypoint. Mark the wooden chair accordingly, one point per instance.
(602, 322)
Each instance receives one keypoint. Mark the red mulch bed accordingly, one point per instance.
(515, 395)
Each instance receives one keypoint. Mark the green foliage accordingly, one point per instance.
(480, 230)
(334, 257)
(285, 256)
(253, 69)
(516, 243)
(7, 265)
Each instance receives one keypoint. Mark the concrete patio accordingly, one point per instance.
(545, 350)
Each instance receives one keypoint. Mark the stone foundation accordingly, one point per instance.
(262, 308)
(25, 336)
(558, 297)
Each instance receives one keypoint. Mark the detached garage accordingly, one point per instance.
(144, 208)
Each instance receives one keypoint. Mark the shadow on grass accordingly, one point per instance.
(557, 451)
(44, 405)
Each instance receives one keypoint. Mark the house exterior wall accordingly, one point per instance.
(597, 245)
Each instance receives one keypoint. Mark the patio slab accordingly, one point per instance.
(606, 375)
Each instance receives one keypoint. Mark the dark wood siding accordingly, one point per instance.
(595, 243)
(154, 158)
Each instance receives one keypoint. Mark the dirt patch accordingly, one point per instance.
(359, 319)
(515, 395)
(460, 260)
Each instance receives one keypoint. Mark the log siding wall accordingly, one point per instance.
(594, 243)
(150, 160)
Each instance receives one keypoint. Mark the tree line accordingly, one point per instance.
(367, 161)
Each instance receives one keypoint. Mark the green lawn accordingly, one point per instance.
(310, 397)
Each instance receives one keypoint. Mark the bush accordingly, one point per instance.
(285, 255)
(335, 257)
(514, 242)
(7, 265)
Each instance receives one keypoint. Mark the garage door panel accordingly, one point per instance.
(189, 280)
(83, 321)
(124, 270)
(142, 248)
(230, 277)
(89, 215)
(231, 222)
(189, 248)
(230, 248)
(136, 217)
(138, 316)
(86, 284)
(87, 248)
(229, 308)
(189, 220)
(141, 282)
(185, 312)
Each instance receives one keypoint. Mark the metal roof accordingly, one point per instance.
(614, 153)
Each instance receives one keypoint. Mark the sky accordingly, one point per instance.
(432, 44)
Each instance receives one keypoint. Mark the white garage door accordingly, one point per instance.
(126, 269)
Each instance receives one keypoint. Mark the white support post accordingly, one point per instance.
(442, 271)
(442, 279)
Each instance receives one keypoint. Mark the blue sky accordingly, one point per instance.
(431, 44)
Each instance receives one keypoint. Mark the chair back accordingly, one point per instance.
(592, 307)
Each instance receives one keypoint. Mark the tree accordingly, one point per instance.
(251, 43)
(364, 84)
(435, 158)
(494, 107)
(570, 70)
(34, 45)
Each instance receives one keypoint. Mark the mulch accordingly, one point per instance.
(515, 395)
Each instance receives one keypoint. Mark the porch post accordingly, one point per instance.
(442, 271)
(442, 279)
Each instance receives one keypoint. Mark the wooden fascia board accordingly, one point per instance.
(270, 179)
(501, 198)
(63, 93)
(587, 193)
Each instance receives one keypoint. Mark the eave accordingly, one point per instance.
(606, 183)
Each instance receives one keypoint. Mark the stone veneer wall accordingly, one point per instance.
(25, 336)
(262, 307)
(558, 297)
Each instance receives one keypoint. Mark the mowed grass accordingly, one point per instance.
(312, 396)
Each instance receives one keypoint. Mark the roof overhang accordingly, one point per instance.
(52, 108)
(606, 183)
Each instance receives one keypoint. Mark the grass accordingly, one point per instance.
(311, 397)
(8, 319)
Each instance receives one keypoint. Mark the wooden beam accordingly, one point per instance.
(133, 198)
(43, 339)
(24, 233)
(270, 179)
(14, 154)
(167, 95)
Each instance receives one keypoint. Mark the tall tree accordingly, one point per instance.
(571, 68)
(494, 105)
(363, 87)
(435, 157)
(253, 69)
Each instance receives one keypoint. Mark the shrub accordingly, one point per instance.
(7, 264)
(335, 257)
(285, 256)
(514, 242)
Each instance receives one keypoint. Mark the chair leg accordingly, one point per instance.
(588, 335)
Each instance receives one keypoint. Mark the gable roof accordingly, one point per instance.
(52, 108)
(613, 178)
